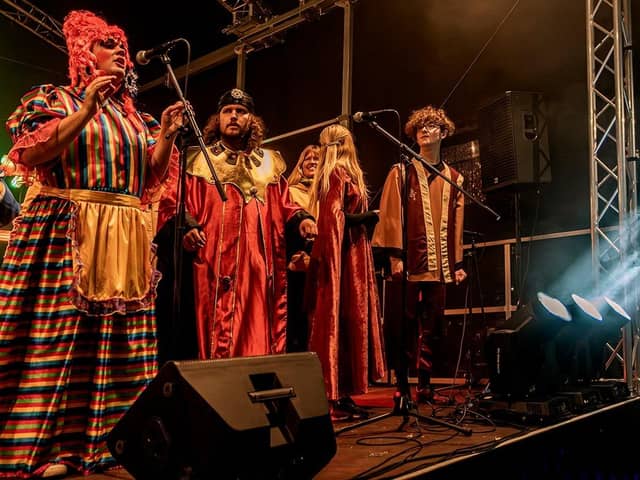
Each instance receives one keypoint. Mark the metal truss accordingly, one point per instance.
(613, 175)
(246, 14)
(259, 36)
(35, 20)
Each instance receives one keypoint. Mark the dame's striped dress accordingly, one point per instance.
(66, 376)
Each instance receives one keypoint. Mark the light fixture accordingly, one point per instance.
(579, 347)
(521, 355)
(613, 312)
(584, 310)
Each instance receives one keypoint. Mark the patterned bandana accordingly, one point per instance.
(236, 97)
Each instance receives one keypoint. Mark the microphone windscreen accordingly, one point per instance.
(141, 58)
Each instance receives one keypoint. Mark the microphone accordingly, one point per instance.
(360, 117)
(143, 57)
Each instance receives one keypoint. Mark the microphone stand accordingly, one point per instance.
(473, 281)
(180, 207)
(411, 153)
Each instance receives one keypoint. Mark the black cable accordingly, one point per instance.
(525, 274)
(477, 57)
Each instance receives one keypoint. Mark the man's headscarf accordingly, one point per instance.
(236, 96)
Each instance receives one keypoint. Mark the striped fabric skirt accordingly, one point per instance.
(66, 377)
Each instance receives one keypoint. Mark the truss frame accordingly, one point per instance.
(613, 172)
(36, 21)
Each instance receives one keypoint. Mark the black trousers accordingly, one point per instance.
(418, 337)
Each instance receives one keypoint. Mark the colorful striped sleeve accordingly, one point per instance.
(35, 120)
(38, 106)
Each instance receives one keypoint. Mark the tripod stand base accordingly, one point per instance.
(404, 407)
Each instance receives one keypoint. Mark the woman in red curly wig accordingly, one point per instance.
(77, 333)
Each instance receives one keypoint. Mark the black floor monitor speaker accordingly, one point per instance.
(243, 418)
(514, 144)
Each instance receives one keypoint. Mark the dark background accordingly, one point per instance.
(407, 53)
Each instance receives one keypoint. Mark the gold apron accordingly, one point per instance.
(113, 261)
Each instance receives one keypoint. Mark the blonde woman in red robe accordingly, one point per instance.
(344, 312)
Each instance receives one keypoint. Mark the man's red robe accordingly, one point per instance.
(240, 274)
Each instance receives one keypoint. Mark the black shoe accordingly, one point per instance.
(339, 415)
(346, 404)
(430, 395)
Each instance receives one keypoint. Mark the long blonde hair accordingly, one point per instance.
(296, 174)
(336, 149)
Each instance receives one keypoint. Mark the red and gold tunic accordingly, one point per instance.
(435, 218)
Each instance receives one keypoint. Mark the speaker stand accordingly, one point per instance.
(404, 407)
(518, 246)
(473, 282)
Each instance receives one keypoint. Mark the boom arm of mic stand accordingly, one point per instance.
(404, 148)
(194, 126)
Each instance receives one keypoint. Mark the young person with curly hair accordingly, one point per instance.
(434, 225)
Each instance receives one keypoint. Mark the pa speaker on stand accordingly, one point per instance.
(514, 156)
(243, 418)
(514, 141)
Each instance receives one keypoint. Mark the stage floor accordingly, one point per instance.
(502, 446)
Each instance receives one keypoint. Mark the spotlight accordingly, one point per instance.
(614, 313)
(580, 347)
(583, 310)
(521, 355)
(551, 307)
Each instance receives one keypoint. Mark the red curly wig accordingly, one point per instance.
(82, 29)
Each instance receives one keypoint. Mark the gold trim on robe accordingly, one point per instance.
(250, 173)
(299, 194)
(425, 196)
(388, 232)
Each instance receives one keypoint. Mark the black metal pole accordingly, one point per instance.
(180, 207)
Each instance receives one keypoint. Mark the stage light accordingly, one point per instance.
(579, 348)
(614, 313)
(583, 309)
(552, 307)
(609, 339)
(521, 355)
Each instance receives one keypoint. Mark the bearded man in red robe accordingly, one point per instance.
(238, 245)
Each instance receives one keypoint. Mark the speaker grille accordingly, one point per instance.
(513, 141)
